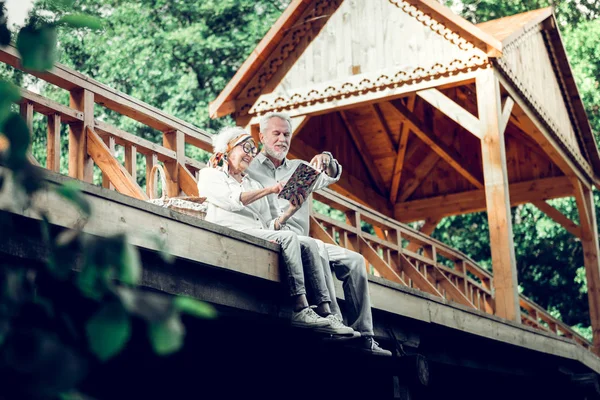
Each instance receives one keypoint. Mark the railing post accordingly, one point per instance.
(110, 143)
(151, 161)
(174, 140)
(53, 143)
(80, 163)
(26, 110)
(130, 161)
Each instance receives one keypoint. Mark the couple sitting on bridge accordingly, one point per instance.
(241, 187)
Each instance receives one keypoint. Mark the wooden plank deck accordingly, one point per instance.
(210, 247)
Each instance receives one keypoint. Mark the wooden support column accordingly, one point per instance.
(589, 241)
(80, 163)
(174, 140)
(53, 143)
(497, 196)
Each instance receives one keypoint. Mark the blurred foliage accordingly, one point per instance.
(56, 323)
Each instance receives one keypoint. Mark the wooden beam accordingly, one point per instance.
(558, 217)
(493, 154)
(528, 121)
(297, 124)
(125, 139)
(48, 107)
(591, 256)
(384, 269)
(452, 110)
(53, 147)
(187, 181)
(401, 153)
(474, 200)
(383, 125)
(506, 112)
(448, 154)
(419, 280)
(363, 150)
(452, 292)
(421, 172)
(117, 174)
(80, 164)
(344, 101)
(427, 229)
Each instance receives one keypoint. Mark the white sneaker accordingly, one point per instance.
(307, 318)
(337, 327)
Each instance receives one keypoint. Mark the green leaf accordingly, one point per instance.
(108, 331)
(37, 47)
(130, 266)
(17, 133)
(194, 307)
(153, 307)
(167, 336)
(81, 21)
(71, 191)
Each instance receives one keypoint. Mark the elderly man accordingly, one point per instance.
(270, 167)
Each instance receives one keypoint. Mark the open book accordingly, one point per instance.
(303, 179)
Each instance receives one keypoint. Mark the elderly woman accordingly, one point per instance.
(238, 202)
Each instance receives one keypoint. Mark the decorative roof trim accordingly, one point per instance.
(356, 86)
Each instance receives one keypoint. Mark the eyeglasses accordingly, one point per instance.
(250, 148)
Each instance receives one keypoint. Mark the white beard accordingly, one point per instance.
(278, 155)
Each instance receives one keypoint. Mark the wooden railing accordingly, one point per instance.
(395, 251)
(406, 256)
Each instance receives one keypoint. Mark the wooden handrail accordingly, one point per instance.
(464, 281)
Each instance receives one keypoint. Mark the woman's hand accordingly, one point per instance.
(278, 187)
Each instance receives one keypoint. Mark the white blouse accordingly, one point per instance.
(225, 207)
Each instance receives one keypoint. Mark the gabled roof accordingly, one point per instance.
(508, 29)
(221, 105)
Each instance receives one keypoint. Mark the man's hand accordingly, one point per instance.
(320, 162)
(324, 163)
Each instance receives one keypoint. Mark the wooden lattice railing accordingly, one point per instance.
(404, 255)
(395, 252)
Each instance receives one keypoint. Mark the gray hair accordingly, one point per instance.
(221, 139)
(267, 117)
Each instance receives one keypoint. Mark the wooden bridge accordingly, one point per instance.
(471, 127)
